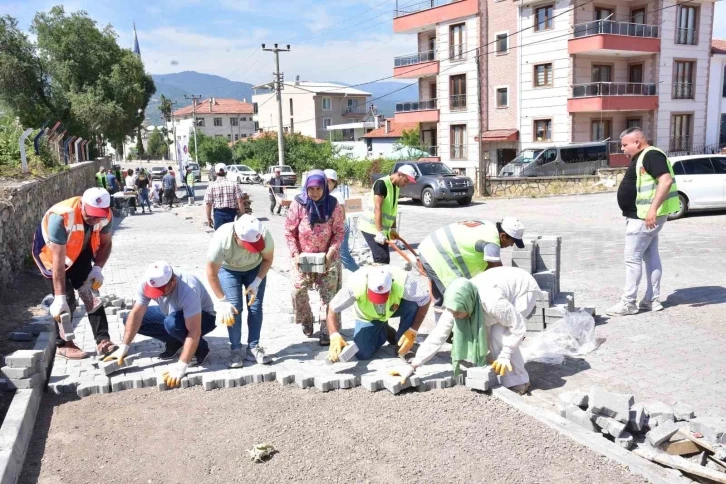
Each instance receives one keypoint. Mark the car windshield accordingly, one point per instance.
(283, 169)
(526, 156)
(193, 166)
(241, 167)
(435, 169)
(157, 168)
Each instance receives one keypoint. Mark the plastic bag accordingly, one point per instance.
(573, 335)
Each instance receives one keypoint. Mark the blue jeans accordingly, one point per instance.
(345, 257)
(144, 194)
(190, 191)
(232, 283)
(172, 327)
(370, 335)
(223, 216)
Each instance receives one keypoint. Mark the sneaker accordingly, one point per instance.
(173, 348)
(257, 354)
(92, 302)
(324, 338)
(521, 389)
(105, 348)
(648, 306)
(200, 357)
(70, 351)
(622, 309)
(237, 359)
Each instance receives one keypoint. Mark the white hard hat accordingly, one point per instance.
(331, 174)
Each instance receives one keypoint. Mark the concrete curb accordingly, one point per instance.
(593, 441)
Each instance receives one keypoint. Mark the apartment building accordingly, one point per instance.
(446, 68)
(716, 116)
(309, 108)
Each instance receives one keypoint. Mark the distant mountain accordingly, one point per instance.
(175, 86)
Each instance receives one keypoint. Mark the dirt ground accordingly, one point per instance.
(344, 436)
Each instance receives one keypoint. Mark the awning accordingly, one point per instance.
(499, 135)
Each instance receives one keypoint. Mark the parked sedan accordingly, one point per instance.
(157, 172)
(242, 174)
(701, 181)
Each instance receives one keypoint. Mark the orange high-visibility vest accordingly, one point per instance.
(70, 211)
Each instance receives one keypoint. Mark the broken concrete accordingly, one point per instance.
(661, 433)
(683, 411)
(579, 399)
(615, 405)
(713, 428)
(575, 414)
(638, 418)
(610, 426)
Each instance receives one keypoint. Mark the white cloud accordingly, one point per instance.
(318, 18)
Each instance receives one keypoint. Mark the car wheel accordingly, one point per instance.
(682, 208)
(464, 201)
(427, 198)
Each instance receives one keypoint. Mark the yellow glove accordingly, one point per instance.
(406, 342)
(174, 375)
(225, 312)
(393, 234)
(404, 372)
(503, 362)
(337, 343)
(119, 354)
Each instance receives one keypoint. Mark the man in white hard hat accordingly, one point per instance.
(183, 315)
(224, 197)
(71, 246)
(238, 259)
(378, 221)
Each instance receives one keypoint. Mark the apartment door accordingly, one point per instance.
(457, 91)
(635, 78)
(601, 74)
(605, 17)
(432, 91)
(432, 48)
(456, 41)
(637, 19)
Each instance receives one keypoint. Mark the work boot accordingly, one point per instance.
(237, 359)
(172, 349)
(521, 389)
(200, 357)
(91, 301)
(622, 309)
(257, 354)
(391, 335)
(105, 348)
(650, 306)
(324, 338)
(70, 351)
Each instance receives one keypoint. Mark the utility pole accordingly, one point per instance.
(279, 78)
(173, 128)
(194, 99)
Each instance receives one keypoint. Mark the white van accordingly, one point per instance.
(556, 160)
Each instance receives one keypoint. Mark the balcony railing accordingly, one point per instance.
(409, 60)
(686, 36)
(359, 109)
(598, 27)
(407, 107)
(680, 143)
(418, 7)
(457, 52)
(614, 89)
(457, 102)
(458, 152)
(682, 90)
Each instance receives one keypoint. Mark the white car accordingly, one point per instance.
(701, 181)
(242, 174)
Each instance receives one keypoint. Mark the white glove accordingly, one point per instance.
(173, 376)
(225, 312)
(404, 371)
(59, 306)
(503, 362)
(252, 288)
(96, 277)
(380, 238)
(119, 354)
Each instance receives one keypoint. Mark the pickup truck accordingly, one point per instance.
(436, 182)
(288, 176)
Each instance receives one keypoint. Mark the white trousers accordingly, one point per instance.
(641, 249)
(518, 375)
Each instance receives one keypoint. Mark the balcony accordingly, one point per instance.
(354, 110)
(608, 37)
(686, 36)
(458, 152)
(682, 90)
(457, 102)
(419, 17)
(417, 112)
(413, 66)
(613, 96)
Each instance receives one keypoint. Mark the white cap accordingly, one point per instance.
(157, 275)
(380, 281)
(220, 168)
(96, 202)
(409, 171)
(249, 230)
(331, 174)
(514, 228)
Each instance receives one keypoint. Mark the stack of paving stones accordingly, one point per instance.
(649, 424)
(248, 203)
(312, 262)
(541, 256)
(27, 369)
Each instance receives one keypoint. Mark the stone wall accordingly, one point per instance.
(22, 206)
(606, 180)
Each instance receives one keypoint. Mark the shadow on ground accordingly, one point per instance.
(547, 377)
(696, 297)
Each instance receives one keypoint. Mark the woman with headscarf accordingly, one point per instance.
(314, 224)
(487, 315)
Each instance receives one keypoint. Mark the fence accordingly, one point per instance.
(597, 27)
(614, 89)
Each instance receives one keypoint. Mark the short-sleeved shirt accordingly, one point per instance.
(339, 196)
(189, 296)
(111, 182)
(130, 181)
(142, 182)
(655, 163)
(222, 193)
(225, 250)
(379, 188)
(58, 235)
(168, 182)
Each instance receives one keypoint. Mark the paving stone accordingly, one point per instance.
(683, 411)
(371, 383)
(638, 418)
(110, 367)
(609, 425)
(659, 409)
(661, 433)
(579, 399)
(713, 428)
(209, 383)
(474, 384)
(575, 414)
(117, 303)
(615, 405)
(17, 373)
(32, 381)
(23, 358)
(625, 440)
(348, 352)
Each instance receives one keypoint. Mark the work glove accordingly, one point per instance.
(337, 343)
(503, 362)
(96, 278)
(225, 312)
(252, 288)
(406, 342)
(393, 234)
(173, 376)
(380, 238)
(59, 306)
(404, 372)
(119, 354)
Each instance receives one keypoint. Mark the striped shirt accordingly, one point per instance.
(415, 289)
(222, 193)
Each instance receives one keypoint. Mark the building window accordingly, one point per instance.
(291, 111)
(502, 43)
(683, 79)
(200, 122)
(179, 138)
(681, 132)
(543, 130)
(236, 136)
(634, 123)
(457, 36)
(217, 122)
(233, 122)
(257, 127)
(686, 25)
(602, 73)
(600, 130)
(458, 92)
(543, 75)
(327, 122)
(292, 126)
(327, 104)
(244, 119)
(254, 108)
(229, 137)
(458, 142)
(543, 18)
(502, 97)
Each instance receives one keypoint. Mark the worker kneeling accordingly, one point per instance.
(379, 293)
(487, 315)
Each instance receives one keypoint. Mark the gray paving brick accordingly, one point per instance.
(474, 384)
(32, 381)
(615, 405)
(577, 398)
(638, 418)
(575, 414)
(23, 358)
(661, 433)
(110, 367)
(683, 411)
(609, 425)
(17, 373)
(625, 440)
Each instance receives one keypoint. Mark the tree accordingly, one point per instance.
(301, 152)
(212, 149)
(139, 143)
(410, 138)
(156, 146)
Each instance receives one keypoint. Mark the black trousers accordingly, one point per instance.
(380, 253)
(437, 287)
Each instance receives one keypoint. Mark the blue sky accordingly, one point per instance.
(338, 40)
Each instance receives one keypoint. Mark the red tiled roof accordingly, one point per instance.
(395, 132)
(718, 46)
(220, 106)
